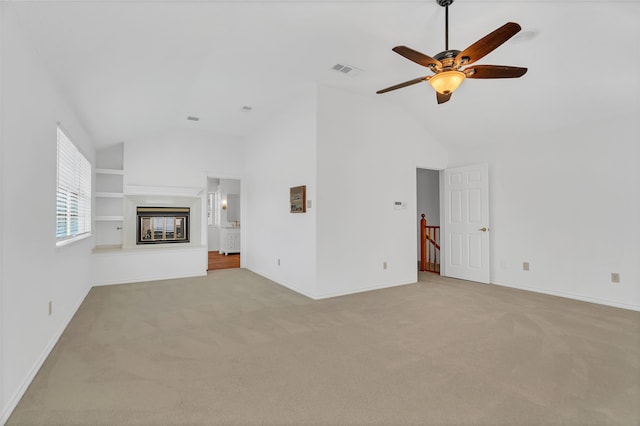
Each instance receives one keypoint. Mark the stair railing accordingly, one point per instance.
(429, 246)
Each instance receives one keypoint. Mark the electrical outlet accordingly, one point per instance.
(525, 266)
(384, 265)
(615, 277)
(50, 307)
(278, 262)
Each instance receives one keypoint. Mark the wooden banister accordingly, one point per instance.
(429, 246)
(423, 243)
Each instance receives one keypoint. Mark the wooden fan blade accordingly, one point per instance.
(417, 57)
(405, 84)
(494, 71)
(487, 44)
(442, 98)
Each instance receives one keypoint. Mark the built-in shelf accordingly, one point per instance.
(110, 172)
(109, 218)
(109, 197)
(109, 194)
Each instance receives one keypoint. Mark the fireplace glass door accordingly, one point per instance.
(162, 225)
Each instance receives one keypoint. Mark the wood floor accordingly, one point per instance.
(220, 261)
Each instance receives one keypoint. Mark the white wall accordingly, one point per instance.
(230, 186)
(568, 203)
(148, 263)
(4, 412)
(179, 157)
(367, 155)
(34, 271)
(279, 156)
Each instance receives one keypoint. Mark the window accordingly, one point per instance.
(73, 201)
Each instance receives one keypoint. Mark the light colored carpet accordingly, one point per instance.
(235, 348)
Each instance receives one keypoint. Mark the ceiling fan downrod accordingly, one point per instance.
(445, 4)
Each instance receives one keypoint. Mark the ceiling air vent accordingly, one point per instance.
(191, 118)
(346, 70)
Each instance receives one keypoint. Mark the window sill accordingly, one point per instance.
(73, 239)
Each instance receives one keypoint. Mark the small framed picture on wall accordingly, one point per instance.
(298, 199)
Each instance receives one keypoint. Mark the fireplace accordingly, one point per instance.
(162, 225)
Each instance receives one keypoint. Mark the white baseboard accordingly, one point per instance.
(15, 399)
(572, 296)
(329, 294)
(283, 284)
(362, 290)
(149, 278)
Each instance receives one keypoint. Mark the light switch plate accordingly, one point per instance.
(399, 205)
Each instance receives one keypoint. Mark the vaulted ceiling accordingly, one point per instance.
(131, 68)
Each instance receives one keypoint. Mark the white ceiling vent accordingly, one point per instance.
(347, 70)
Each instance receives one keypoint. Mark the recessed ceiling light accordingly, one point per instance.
(246, 108)
(191, 118)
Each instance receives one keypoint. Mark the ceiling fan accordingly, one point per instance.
(447, 64)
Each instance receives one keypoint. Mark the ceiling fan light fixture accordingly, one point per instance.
(446, 82)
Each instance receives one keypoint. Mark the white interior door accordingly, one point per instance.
(466, 223)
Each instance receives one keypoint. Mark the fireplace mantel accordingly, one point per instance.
(170, 191)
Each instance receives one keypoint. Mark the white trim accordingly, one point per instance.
(172, 191)
(4, 415)
(68, 241)
(109, 218)
(331, 294)
(149, 278)
(109, 194)
(110, 172)
(13, 401)
(143, 249)
(571, 296)
(281, 283)
(363, 289)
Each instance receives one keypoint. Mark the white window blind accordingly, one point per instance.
(73, 202)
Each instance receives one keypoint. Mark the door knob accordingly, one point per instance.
(483, 229)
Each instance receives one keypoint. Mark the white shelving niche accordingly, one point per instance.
(109, 191)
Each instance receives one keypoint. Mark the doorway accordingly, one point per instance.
(428, 203)
(223, 223)
(465, 195)
(457, 200)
